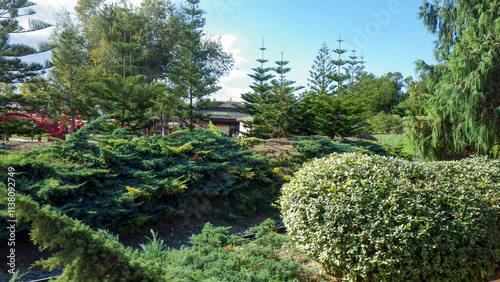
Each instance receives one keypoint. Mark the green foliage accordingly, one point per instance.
(87, 255)
(12, 68)
(398, 144)
(128, 97)
(215, 237)
(383, 219)
(272, 104)
(320, 76)
(194, 75)
(266, 236)
(319, 146)
(249, 142)
(286, 163)
(463, 114)
(340, 77)
(217, 256)
(379, 93)
(333, 116)
(154, 249)
(121, 182)
(413, 102)
(215, 130)
(22, 127)
(68, 76)
(387, 123)
(253, 101)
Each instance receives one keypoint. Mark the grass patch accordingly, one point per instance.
(398, 141)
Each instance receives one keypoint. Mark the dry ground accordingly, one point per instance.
(22, 146)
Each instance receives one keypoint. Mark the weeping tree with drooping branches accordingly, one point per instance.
(463, 114)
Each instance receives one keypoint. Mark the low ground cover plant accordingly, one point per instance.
(307, 148)
(386, 219)
(215, 255)
(122, 182)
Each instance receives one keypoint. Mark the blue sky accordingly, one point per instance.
(387, 32)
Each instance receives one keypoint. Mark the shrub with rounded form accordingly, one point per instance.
(384, 219)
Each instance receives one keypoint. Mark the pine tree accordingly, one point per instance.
(321, 81)
(272, 104)
(123, 35)
(161, 27)
(463, 112)
(280, 112)
(261, 77)
(360, 69)
(191, 76)
(12, 68)
(339, 77)
(129, 98)
(352, 65)
(255, 101)
(69, 57)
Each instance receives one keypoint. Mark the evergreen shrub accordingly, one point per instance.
(120, 182)
(315, 146)
(249, 142)
(89, 255)
(387, 123)
(376, 218)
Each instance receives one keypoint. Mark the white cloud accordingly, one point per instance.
(47, 10)
(235, 83)
(228, 40)
(233, 75)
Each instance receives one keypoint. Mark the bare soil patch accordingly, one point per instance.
(22, 146)
(277, 148)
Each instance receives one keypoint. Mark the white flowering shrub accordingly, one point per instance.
(375, 218)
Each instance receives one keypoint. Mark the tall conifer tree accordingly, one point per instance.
(272, 102)
(321, 76)
(69, 57)
(352, 65)
(192, 77)
(339, 77)
(12, 68)
(260, 87)
(254, 102)
(281, 109)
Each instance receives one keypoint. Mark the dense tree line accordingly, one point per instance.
(142, 63)
(155, 60)
(340, 98)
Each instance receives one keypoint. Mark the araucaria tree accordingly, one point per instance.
(281, 111)
(194, 74)
(12, 68)
(321, 76)
(272, 103)
(463, 113)
(254, 102)
(339, 77)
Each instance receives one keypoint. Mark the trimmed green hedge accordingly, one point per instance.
(386, 219)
